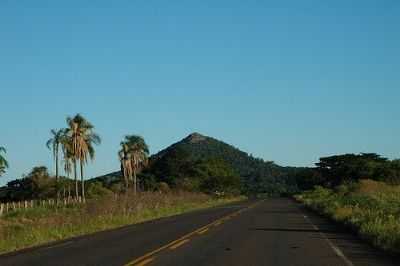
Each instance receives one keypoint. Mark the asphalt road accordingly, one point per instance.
(272, 232)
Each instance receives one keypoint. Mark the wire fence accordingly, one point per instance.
(29, 204)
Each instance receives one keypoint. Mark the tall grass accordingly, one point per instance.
(371, 208)
(26, 228)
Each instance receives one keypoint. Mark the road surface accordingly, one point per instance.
(276, 232)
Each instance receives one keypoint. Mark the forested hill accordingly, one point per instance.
(198, 147)
(191, 162)
(196, 163)
(258, 175)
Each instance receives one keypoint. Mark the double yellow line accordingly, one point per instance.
(148, 257)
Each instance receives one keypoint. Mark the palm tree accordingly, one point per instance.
(135, 156)
(68, 161)
(3, 161)
(54, 144)
(126, 167)
(83, 137)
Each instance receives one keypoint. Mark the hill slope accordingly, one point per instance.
(258, 176)
(197, 147)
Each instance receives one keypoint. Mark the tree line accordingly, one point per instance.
(346, 168)
(208, 166)
(73, 147)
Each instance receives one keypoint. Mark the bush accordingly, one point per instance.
(372, 208)
(96, 190)
(163, 187)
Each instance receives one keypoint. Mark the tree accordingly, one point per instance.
(173, 166)
(3, 161)
(36, 185)
(133, 156)
(217, 176)
(126, 166)
(82, 136)
(54, 144)
(68, 162)
(69, 159)
(339, 169)
(96, 190)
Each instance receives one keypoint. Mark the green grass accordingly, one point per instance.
(27, 228)
(370, 208)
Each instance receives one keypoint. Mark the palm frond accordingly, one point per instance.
(3, 162)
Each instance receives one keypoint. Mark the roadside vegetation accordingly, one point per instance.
(360, 191)
(41, 207)
(25, 228)
(369, 207)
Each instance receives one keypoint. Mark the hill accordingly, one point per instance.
(258, 176)
(203, 163)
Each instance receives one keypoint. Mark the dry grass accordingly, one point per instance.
(371, 208)
(25, 228)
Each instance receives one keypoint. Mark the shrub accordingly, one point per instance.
(372, 208)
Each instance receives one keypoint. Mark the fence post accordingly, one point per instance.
(1, 209)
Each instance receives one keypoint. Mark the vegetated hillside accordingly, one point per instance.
(258, 176)
(109, 179)
(196, 163)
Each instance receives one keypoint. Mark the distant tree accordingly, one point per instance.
(308, 178)
(82, 135)
(134, 157)
(38, 184)
(353, 167)
(69, 160)
(43, 186)
(173, 166)
(218, 176)
(54, 144)
(126, 163)
(96, 190)
(3, 161)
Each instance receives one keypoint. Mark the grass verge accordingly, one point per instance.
(370, 208)
(27, 228)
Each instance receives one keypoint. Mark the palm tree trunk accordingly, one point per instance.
(125, 174)
(82, 183)
(126, 178)
(57, 181)
(134, 182)
(76, 181)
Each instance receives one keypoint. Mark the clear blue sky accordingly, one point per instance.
(287, 80)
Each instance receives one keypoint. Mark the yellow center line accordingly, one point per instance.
(175, 242)
(183, 242)
(204, 231)
(145, 262)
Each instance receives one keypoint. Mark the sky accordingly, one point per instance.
(289, 81)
